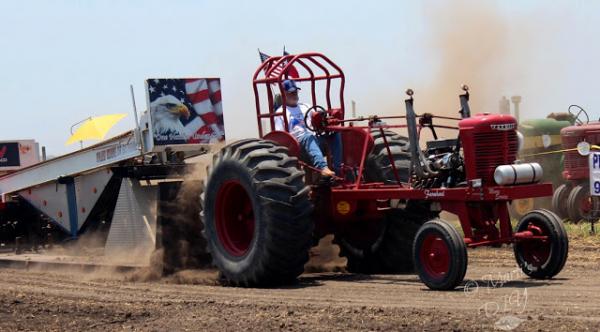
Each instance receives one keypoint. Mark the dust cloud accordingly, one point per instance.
(183, 243)
(469, 44)
(472, 43)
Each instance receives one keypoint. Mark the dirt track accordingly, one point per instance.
(498, 296)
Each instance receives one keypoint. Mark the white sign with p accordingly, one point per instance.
(594, 162)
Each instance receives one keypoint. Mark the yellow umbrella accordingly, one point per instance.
(94, 127)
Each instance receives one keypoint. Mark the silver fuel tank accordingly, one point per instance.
(518, 174)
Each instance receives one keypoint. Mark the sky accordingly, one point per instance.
(62, 61)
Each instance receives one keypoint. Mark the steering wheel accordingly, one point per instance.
(579, 113)
(318, 109)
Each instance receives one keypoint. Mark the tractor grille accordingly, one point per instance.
(573, 161)
(572, 158)
(493, 149)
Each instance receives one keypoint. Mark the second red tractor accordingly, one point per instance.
(572, 199)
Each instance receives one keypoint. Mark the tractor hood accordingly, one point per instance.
(573, 131)
(483, 122)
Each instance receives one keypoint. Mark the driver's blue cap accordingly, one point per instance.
(290, 86)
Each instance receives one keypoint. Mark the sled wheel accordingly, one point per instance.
(440, 255)
(579, 203)
(256, 214)
(542, 258)
(559, 200)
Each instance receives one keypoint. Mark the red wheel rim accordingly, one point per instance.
(536, 252)
(586, 205)
(435, 256)
(234, 218)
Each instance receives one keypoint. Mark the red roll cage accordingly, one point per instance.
(313, 67)
(276, 69)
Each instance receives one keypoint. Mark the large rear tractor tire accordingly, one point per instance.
(385, 246)
(378, 165)
(256, 213)
(579, 203)
(559, 200)
(440, 255)
(537, 258)
(382, 247)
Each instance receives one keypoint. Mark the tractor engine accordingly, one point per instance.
(575, 165)
(445, 161)
(488, 141)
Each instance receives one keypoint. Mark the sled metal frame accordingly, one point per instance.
(103, 154)
(120, 149)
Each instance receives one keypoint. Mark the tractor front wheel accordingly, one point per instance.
(256, 214)
(542, 258)
(559, 200)
(440, 255)
(579, 203)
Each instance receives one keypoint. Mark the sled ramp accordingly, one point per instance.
(131, 238)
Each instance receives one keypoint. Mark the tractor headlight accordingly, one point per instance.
(584, 148)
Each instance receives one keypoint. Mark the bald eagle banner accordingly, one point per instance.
(186, 111)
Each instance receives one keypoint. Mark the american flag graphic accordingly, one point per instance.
(292, 72)
(263, 56)
(203, 120)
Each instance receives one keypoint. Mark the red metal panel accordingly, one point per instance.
(284, 138)
(353, 140)
(490, 193)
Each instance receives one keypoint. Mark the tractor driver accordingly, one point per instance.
(305, 137)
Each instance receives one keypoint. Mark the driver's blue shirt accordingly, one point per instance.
(295, 117)
(308, 141)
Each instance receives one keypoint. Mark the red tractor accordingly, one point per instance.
(572, 199)
(264, 206)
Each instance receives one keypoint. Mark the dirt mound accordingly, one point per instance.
(194, 277)
(325, 257)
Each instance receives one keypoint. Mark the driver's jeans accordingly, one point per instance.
(311, 147)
